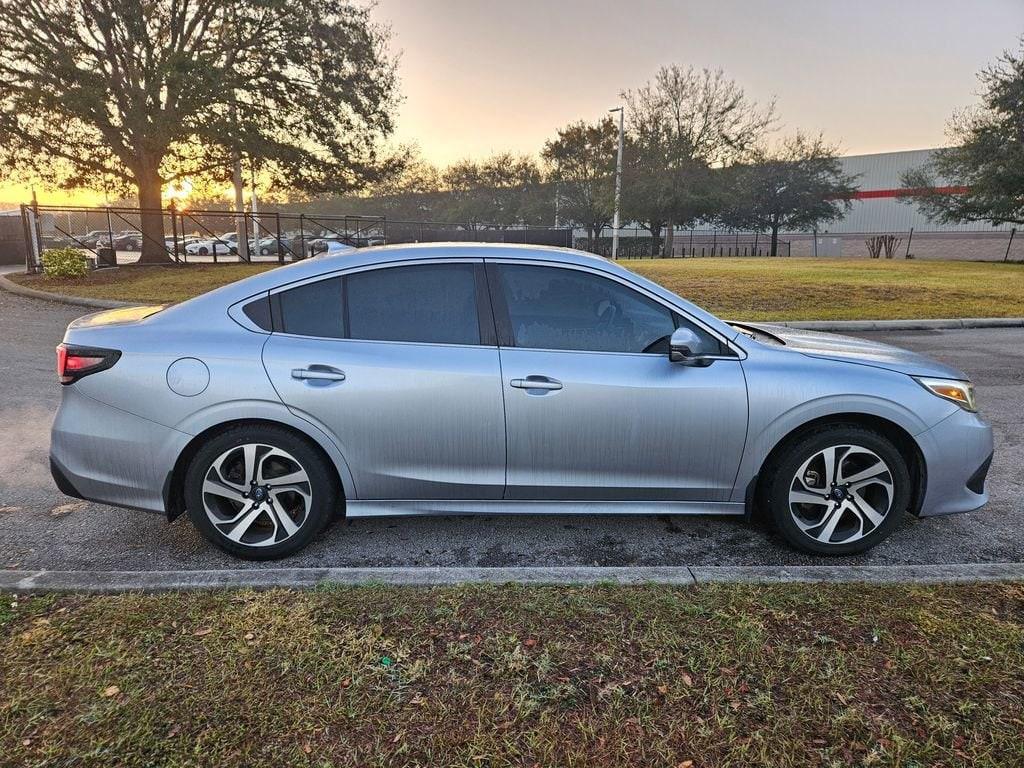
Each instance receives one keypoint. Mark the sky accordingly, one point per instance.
(485, 76)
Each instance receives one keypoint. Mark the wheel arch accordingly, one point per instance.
(897, 434)
(173, 491)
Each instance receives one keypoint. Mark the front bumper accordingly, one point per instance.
(957, 452)
(104, 454)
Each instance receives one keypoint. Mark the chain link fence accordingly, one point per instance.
(640, 243)
(114, 236)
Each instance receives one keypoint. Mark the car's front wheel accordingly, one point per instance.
(259, 492)
(838, 490)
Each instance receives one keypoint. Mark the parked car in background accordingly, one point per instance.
(325, 247)
(209, 246)
(91, 239)
(465, 378)
(126, 240)
(268, 246)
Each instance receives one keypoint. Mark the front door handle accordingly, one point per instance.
(318, 374)
(536, 382)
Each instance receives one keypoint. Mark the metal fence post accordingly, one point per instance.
(174, 230)
(280, 245)
(110, 232)
(31, 255)
(910, 239)
(302, 235)
(1007, 256)
(37, 230)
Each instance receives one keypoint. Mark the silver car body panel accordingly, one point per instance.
(623, 427)
(422, 507)
(435, 429)
(418, 420)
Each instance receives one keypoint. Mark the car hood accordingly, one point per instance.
(833, 346)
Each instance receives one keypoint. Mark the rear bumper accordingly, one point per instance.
(104, 454)
(957, 453)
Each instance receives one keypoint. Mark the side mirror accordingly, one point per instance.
(687, 348)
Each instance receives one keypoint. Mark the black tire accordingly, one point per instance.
(781, 478)
(314, 516)
(203, 250)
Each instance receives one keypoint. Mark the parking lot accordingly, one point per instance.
(38, 531)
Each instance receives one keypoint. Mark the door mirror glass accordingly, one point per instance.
(688, 348)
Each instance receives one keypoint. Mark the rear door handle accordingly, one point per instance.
(318, 374)
(536, 382)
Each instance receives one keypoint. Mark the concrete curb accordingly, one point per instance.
(306, 578)
(61, 298)
(903, 325)
(809, 325)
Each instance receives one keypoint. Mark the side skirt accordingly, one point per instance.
(402, 508)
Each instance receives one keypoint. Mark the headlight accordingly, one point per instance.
(960, 392)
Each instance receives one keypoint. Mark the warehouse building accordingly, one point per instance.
(882, 207)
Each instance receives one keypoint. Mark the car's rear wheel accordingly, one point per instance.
(838, 490)
(260, 492)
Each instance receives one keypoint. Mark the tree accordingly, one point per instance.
(985, 166)
(683, 124)
(797, 186)
(144, 93)
(504, 189)
(581, 166)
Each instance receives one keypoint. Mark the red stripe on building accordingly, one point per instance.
(871, 194)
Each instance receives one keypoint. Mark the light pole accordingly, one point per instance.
(618, 187)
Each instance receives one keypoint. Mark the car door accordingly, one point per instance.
(594, 409)
(399, 363)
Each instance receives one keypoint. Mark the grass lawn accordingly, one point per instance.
(147, 285)
(485, 676)
(737, 288)
(841, 289)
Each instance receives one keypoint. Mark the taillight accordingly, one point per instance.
(75, 362)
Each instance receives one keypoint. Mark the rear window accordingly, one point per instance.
(423, 303)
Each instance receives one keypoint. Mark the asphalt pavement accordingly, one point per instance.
(42, 529)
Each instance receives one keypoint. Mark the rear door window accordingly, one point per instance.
(427, 303)
(313, 309)
(424, 303)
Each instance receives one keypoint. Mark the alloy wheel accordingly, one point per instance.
(841, 494)
(257, 495)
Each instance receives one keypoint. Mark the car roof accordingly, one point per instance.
(392, 254)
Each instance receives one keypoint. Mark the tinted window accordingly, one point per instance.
(313, 309)
(259, 312)
(553, 308)
(429, 303)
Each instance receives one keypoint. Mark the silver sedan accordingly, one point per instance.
(462, 378)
